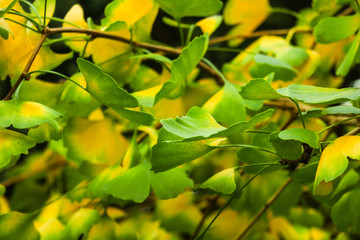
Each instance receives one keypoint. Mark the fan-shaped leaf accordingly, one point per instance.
(222, 182)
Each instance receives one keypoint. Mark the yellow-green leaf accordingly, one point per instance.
(334, 161)
(13, 144)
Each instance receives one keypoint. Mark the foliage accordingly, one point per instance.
(149, 139)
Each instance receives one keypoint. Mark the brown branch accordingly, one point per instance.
(27, 67)
(264, 208)
(251, 35)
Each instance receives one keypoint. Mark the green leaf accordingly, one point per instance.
(349, 58)
(53, 229)
(266, 65)
(182, 67)
(13, 144)
(198, 124)
(104, 229)
(15, 225)
(3, 11)
(44, 133)
(333, 29)
(97, 185)
(259, 89)
(319, 95)
(350, 179)
(133, 184)
(342, 109)
(222, 104)
(222, 182)
(81, 222)
(171, 183)
(4, 29)
(294, 56)
(302, 135)
(167, 155)
(323, 5)
(190, 8)
(25, 114)
(346, 212)
(104, 88)
(287, 149)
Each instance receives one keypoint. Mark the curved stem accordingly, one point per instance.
(338, 123)
(289, 12)
(264, 208)
(248, 146)
(58, 74)
(299, 110)
(23, 25)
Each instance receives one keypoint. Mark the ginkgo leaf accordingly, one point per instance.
(81, 222)
(16, 225)
(169, 184)
(24, 114)
(349, 58)
(132, 184)
(73, 93)
(332, 29)
(104, 229)
(45, 132)
(53, 229)
(303, 135)
(210, 24)
(342, 109)
(189, 8)
(259, 89)
(182, 67)
(334, 161)
(94, 141)
(128, 11)
(222, 103)
(222, 182)
(6, 5)
(13, 144)
(199, 124)
(16, 51)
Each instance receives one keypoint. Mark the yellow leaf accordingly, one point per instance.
(209, 24)
(129, 11)
(333, 162)
(15, 52)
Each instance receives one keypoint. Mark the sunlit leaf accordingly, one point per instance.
(334, 161)
(73, 93)
(40, 7)
(332, 29)
(323, 5)
(189, 8)
(171, 183)
(94, 141)
(210, 24)
(15, 225)
(23, 114)
(182, 67)
(53, 229)
(222, 182)
(6, 5)
(128, 11)
(15, 52)
(81, 222)
(246, 12)
(133, 184)
(346, 212)
(303, 135)
(45, 132)
(13, 144)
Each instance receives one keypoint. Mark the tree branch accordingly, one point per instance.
(264, 208)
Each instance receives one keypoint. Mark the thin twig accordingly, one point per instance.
(27, 67)
(250, 35)
(264, 208)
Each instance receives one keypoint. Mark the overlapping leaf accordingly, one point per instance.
(15, 225)
(81, 222)
(104, 88)
(24, 114)
(13, 144)
(222, 182)
(334, 161)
